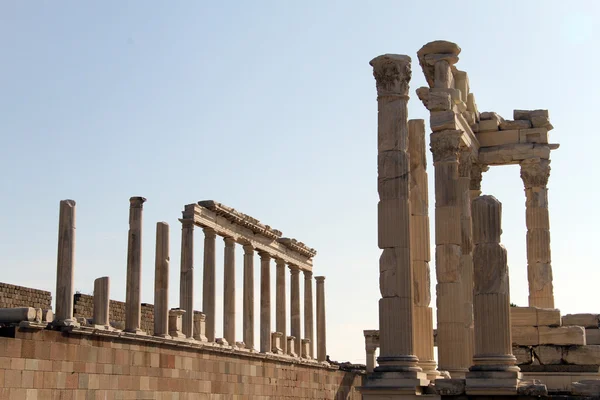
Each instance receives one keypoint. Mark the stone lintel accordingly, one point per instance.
(514, 153)
(205, 217)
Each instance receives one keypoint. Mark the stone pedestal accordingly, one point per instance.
(176, 323)
(494, 370)
(248, 301)
(209, 283)
(133, 303)
(306, 349)
(276, 339)
(229, 291)
(200, 327)
(321, 322)
(186, 285)
(265, 302)
(280, 301)
(101, 301)
(308, 312)
(291, 346)
(535, 173)
(65, 265)
(161, 281)
(295, 309)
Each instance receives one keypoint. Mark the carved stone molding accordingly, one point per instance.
(535, 172)
(445, 145)
(392, 74)
(466, 160)
(477, 171)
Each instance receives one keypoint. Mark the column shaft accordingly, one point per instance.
(280, 306)
(65, 265)
(186, 285)
(295, 318)
(265, 302)
(133, 302)
(229, 292)
(248, 318)
(535, 173)
(308, 311)
(101, 301)
(209, 282)
(321, 322)
(161, 280)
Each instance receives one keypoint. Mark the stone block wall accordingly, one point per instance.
(83, 306)
(20, 296)
(50, 365)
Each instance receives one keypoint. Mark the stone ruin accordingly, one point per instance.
(485, 346)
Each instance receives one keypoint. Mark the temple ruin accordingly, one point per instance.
(93, 347)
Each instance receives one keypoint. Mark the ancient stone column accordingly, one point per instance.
(65, 265)
(392, 74)
(308, 312)
(295, 318)
(186, 285)
(371, 345)
(229, 292)
(209, 281)
(453, 345)
(101, 301)
(491, 301)
(321, 323)
(161, 281)
(420, 250)
(133, 302)
(265, 302)
(535, 173)
(280, 302)
(248, 305)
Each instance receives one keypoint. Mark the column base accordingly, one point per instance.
(481, 382)
(429, 367)
(163, 336)
(458, 373)
(380, 384)
(136, 331)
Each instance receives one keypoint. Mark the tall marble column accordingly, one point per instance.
(491, 301)
(420, 250)
(248, 305)
(161, 281)
(308, 311)
(65, 265)
(321, 322)
(397, 353)
(295, 328)
(209, 282)
(186, 285)
(133, 302)
(229, 292)
(265, 302)
(101, 301)
(280, 302)
(535, 173)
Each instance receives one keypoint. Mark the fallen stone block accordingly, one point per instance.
(585, 320)
(562, 335)
(18, 314)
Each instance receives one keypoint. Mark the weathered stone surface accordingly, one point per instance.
(18, 314)
(507, 125)
(488, 125)
(548, 317)
(562, 335)
(491, 116)
(449, 387)
(392, 74)
(443, 120)
(592, 336)
(582, 355)
(585, 320)
(523, 316)
(548, 354)
(513, 153)
(433, 52)
(393, 223)
(447, 261)
(439, 101)
(523, 354)
(535, 135)
(534, 389)
(497, 138)
(586, 388)
(525, 335)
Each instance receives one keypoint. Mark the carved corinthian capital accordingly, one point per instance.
(445, 145)
(535, 172)
(392, 74)
(465, 163)
(477, 171)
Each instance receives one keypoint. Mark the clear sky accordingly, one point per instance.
(270, 107)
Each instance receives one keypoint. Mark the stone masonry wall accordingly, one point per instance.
(52, 365)
(83, 306)
(19, 296)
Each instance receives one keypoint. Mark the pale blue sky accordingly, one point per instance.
(270, 107)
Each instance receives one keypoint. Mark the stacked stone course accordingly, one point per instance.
(20, 296)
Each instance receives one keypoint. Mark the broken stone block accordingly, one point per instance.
(443, 120)
(497, 138)
(439, 101)
(562, 335)
(423, 95)
(510, 125)
(525, 335)
(523, 354)
(488, 125)
(547, 355)
(18, 314)
(582, 355)
(535, 135)
(585, 320)
(532, 388)
(449, 387)
(586, 388)
(490, 115)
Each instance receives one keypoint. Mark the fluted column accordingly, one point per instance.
(101, 301)
(280, 302)
(161, 281)
(491, 301)
(392, 74)
(65, 265)
(248, 318)
(209, 282)
(265, 302)
(229, 292)
(186, 285)
(295, 307)
(133, 302)
(535, 173)
(321, 322)
(308, 312)
(420, 250)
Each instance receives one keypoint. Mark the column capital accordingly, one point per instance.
(466, 159)
(535, 172)
(294, 270)
(392, 74)
(229, 241)
(187, 223)
(320, 279)
(137, 202)
(477, 171)
(280, 262)
(445, 145)
(264, 255)
(249, 249)
(307, 274)
(209, 232)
